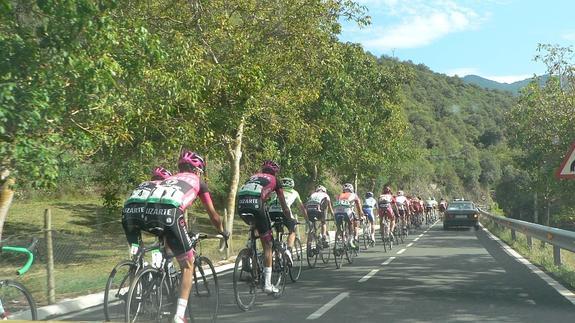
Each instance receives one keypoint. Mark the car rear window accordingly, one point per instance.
(460, 206)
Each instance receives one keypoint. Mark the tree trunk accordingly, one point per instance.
(355, 182)
(235, 156)
(547, 212)
(6, 196)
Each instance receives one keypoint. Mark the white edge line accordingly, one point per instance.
(401, 251)
(390, 259)
(550, 281)
(321, 311)
(368, 276)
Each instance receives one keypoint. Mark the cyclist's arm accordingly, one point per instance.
(330, 207)
(283, 203)
(358, 206)
(215, 218)
(302, 206)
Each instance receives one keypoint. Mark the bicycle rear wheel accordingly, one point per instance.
(279, 270)
(338, 250)
(325, 252)
(116, 291)
(365, 236)
(17, 301)
(312, 251)
(245, 279)
(145, 298)
(297, 257)
(205, 296)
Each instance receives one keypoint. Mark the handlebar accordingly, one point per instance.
(28, 251)
(201, 236)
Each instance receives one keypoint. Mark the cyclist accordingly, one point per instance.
(384, 204)
(252, 197)
(442, 205)
(347, 207)
(402, 206)
(164, 215)
(317, 206)
(369, 205)
(429, 206)
(276, 212)
(135, 205)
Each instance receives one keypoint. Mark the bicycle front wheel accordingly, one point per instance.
(145, 297)
(245, 279)
(205, 297)
(297, 257)
(325, 251)
(17, 301)
(116, 290)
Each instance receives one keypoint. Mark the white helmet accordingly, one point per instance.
(399, 193)
(320, 188)
(348, 187)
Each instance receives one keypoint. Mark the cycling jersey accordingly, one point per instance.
(275, 209)
(344, 207)
(251, 200)
(401, 202)
(316, 206)
(369, 204)
(159, 208)
(384, 205)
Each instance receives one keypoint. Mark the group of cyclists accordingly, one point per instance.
(158, 206)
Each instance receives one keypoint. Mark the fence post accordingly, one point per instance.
(557, 255)
(230, 239)
(529, 242)
(513, 235)
(51, 292)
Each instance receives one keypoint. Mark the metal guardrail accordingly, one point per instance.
(560, 239)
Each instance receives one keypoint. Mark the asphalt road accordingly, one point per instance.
(437, 276)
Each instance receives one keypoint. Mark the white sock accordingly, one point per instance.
(268, 275)
(182, 304)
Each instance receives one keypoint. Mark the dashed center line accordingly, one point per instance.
(416, 239)
(321, 311)
(390, 259)
(409, 245)
(401, 251)
(368, 276)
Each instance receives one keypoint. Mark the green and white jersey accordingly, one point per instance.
(290, 195)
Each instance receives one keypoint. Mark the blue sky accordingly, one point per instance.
(496, 39)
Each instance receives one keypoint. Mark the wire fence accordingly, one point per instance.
(83, 260)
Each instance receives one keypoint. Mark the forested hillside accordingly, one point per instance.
(457, 135)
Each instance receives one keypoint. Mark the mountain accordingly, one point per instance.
(493, 85)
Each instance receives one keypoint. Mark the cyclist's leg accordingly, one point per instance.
(179, 242)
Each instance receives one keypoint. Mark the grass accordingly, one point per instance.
(540, 255)
(87, 244)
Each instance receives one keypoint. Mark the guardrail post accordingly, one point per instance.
(557, 255)
(529, 242)
(51, 292)
(513, 235)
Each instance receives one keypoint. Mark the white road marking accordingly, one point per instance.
(401, 251)
(570, 296)
(322, 310)
(390, 259)
(368, 276)
(410, 244)
(416, 239)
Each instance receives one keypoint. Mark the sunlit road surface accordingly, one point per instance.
(435, 276)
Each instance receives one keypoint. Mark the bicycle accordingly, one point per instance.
(154, 292)
(16, 302)
(115, 293)
(248, 275)
(316, 246)
(294, 269)
(386, 236)
(366, 239)
(341, 245)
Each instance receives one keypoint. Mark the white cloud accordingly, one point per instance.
(509, 78)
(570, 36)
(420, 23)
(462, 71)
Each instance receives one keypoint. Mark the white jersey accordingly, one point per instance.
(369, 202)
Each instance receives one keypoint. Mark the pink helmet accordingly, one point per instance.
(193, 159)
(271, 166)
(160, 173)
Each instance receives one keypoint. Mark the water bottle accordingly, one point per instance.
(157, 258)
(249, 243)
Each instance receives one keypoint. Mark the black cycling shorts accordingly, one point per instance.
(251, 209)
(161, 220)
